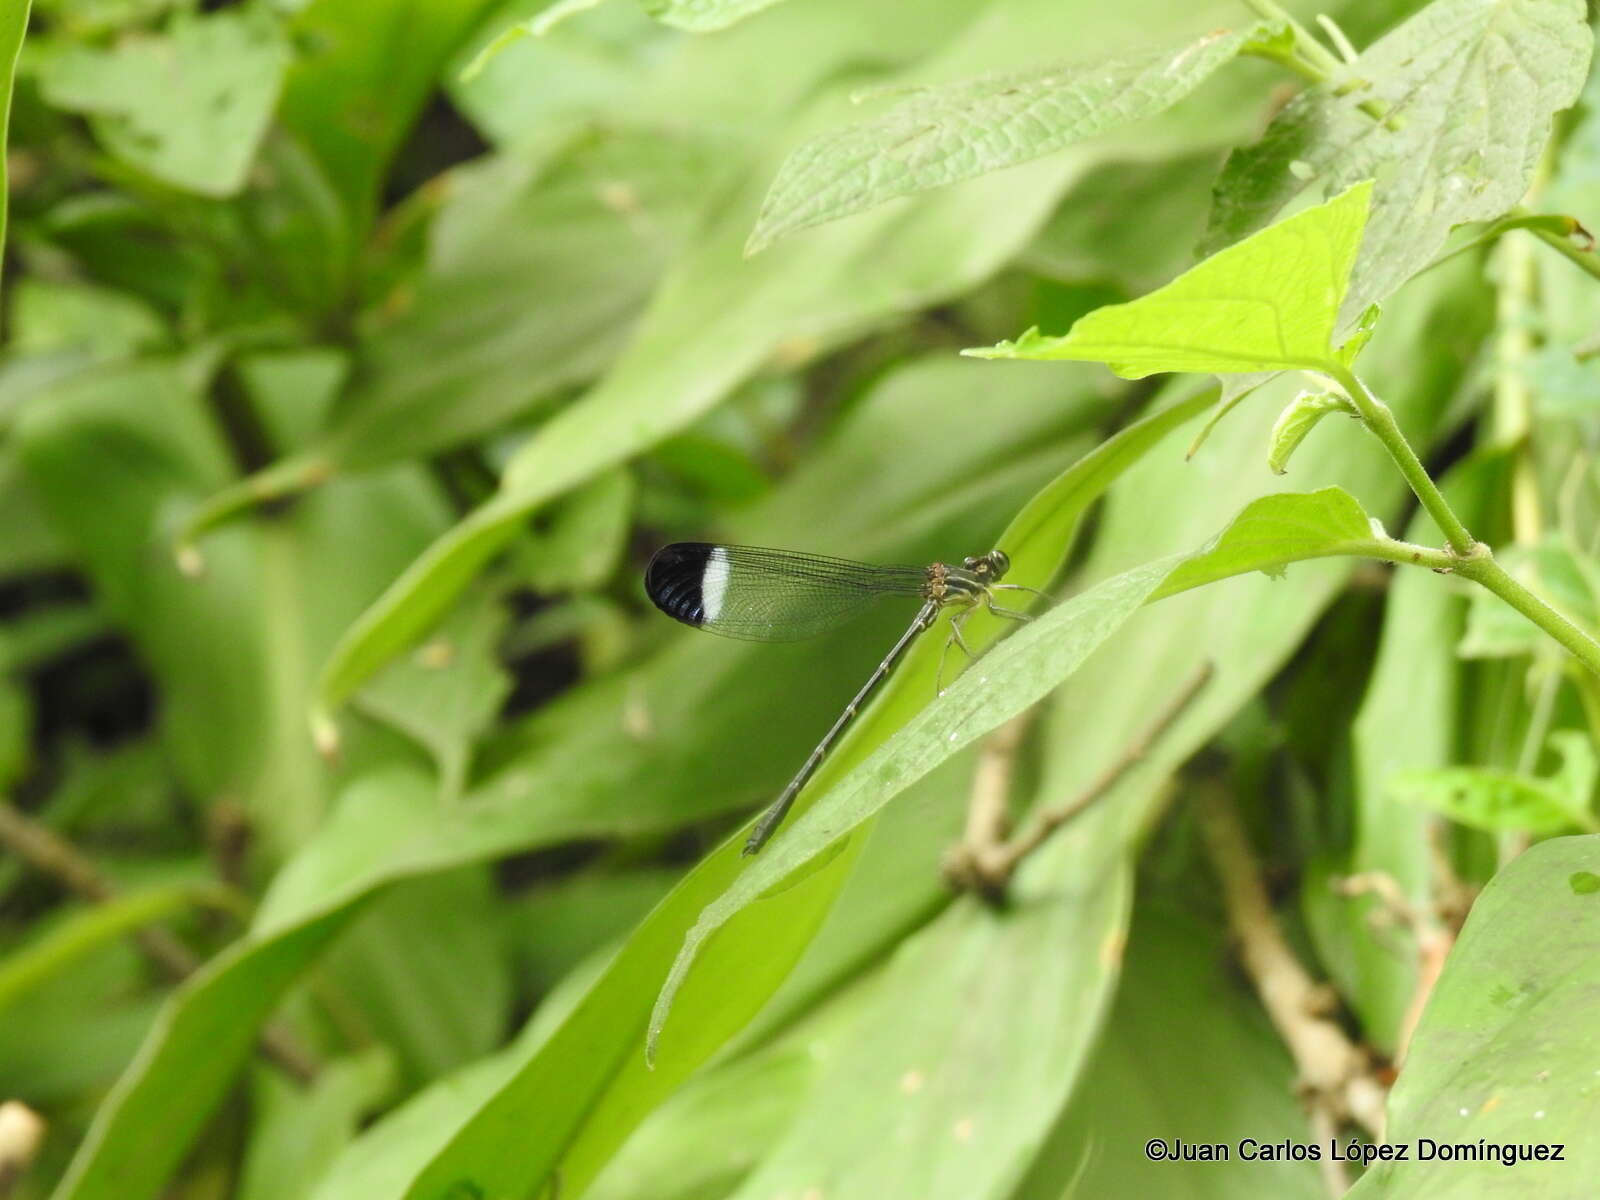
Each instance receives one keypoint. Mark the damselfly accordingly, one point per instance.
(762, 595)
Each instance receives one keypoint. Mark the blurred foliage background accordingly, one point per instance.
(342, 380)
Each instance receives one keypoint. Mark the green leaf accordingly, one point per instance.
(447, 691)
(1502, 801)
(103, 324)
(955, 131)
(349, 101)
(1268, 303)
(972, 1040)
(1274, 531)
(1468, 88)
(703, 16)
(13, 24)
(1153, 1068)
(87, 930)
(1297, 419)
(191, 106)
(1023, 669)
(298, 1131)
(1504, 1053)
(235, 649)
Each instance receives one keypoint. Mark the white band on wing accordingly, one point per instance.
(714, 584)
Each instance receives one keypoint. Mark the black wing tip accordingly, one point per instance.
(672, 580)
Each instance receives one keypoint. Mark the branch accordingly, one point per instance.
(1472, 559)
(982, 862)
(54, 856)
(1335, 1074)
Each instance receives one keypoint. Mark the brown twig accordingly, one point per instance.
(1324, 1129)
(983, 861)
(988, 818)
(53, 855)
(1434, 933)
(1336, 1079)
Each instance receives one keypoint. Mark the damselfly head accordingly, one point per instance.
(992, 565)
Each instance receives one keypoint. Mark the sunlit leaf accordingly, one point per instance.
(1504, 1054)
(189, 106)
(1300, 417)
(1502, 801)
(1274, 531)
(954, 131)
(1468, 89)
(1268, 303)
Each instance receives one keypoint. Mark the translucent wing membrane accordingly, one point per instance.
(761, 595)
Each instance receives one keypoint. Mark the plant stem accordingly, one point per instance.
(1585, 260)
(1380, 419)
(1468, 557)
(1483, 569)
(1333, 1070)
(58, 858)
(1513, 394)
(1312, 60)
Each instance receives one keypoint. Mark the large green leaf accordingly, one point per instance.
(190, 106)
(1468, 87)
(947, 1084)
(1269, 303)
(1505, 1053)
(1154, 1074)
(948, 133)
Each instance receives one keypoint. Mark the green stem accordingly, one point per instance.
(1513, 395)
(1483, 569)
(1378, 418)
(1586, 260)
(1468, 558)
(1312, 60)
